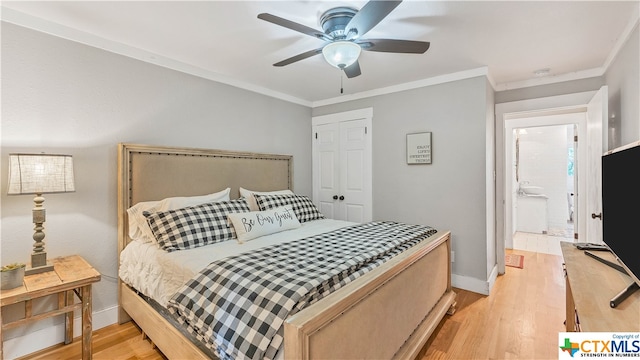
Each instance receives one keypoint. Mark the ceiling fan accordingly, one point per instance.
(343, 30)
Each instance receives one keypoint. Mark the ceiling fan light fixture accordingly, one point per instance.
(341, 54)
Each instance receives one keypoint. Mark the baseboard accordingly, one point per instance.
(471, 284)
(492, 277)
(44, 338)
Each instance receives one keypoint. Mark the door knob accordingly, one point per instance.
(341, 197)
(335, 197)
(599, 216)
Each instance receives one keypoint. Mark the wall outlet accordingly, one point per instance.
(453, 256)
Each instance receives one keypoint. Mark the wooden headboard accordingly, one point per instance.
(148, 172)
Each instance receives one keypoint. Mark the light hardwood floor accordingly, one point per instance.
(519, 320)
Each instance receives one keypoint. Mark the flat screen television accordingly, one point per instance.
(621, 210)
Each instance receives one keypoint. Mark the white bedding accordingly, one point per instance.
(159, 274)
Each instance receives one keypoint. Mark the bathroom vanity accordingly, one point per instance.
(532, 210)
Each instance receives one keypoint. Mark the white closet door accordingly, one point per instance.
(342, 165)
(326, 169)
(352, 198)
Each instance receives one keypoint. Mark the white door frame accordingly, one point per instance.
(502, 110)
(360, 114)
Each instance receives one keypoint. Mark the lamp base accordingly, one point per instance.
(38, 269)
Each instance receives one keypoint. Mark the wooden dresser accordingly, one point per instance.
(590, 286)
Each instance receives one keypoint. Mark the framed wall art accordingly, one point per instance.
(419, 148)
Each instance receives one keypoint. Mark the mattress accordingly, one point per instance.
(159, 274)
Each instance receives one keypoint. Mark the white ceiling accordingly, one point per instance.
(225, 41)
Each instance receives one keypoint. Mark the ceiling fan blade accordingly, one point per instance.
(294, 26)
(299, 57)
(369, 16)
(395, 46)
(352, 70)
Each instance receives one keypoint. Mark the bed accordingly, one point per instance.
(399, 302)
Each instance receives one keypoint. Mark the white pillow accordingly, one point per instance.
(134, 214)
(253, 224)
(253, 205)
(138, 226)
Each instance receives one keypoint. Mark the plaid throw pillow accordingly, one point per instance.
(194, 226)
(303, 207)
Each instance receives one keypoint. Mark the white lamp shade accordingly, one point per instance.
(40, 174)
(341, 54)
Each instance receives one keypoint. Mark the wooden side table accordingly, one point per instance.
(71, 275)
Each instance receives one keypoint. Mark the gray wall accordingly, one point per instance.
(623, 79)
(449, 193)
(561, 88)
(60, 96)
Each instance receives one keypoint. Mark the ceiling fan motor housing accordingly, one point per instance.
(334, 21)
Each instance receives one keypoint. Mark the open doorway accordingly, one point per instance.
(543, 198)
(544, 171)
(592, 106)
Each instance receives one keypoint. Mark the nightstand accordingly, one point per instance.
(71, 275)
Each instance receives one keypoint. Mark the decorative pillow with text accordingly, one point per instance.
(253, 224)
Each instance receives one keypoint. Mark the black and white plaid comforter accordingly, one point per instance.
(237, 306)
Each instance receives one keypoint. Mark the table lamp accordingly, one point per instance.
(40, 174)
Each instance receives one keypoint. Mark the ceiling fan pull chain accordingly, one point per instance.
(341, 77)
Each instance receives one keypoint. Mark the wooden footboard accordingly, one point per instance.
(388, 313)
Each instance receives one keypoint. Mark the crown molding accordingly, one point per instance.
(577, 75)
(65, 32)
(632, 25)
(461, 75)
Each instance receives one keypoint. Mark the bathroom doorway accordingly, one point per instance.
(592, 105)
(544, 178)
(544, 171)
